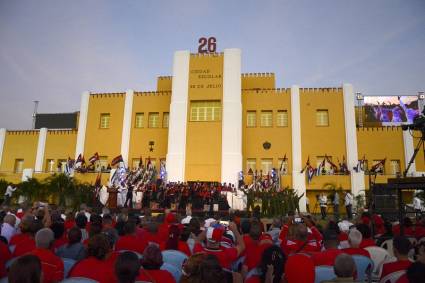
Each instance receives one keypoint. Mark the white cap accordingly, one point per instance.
(208, 222)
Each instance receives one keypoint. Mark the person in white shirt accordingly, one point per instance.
(349, 204)
(323, 200)
(8, 194)
(417, 204)
(8, 227)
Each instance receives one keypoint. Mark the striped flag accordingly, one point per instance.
(94, 158)
(117, 160)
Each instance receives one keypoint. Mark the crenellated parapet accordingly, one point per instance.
(257, 75)
(107, 95)
(379, 129)
(152, 93)
(202, 55)
(321, 90)
(59, 132)
(264, 91)
(23, 132)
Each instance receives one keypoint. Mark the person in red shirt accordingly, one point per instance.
(151, 263)
(26, 243)
(127, 267)
(271, 265)
(367, 240)
(58, 229)
(175, 242)
(354, 240)
(401, 247)
(407, 226)
(5, 255)
(130, 241)
(298, 240)
(26, 268)
(213, 237)
(52, 265)
(327, 257)
(299, 268)
(95, 265)
(254, 251)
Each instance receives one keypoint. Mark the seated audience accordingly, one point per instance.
(367, 240)
(130, 241)
(213, 237)
(151, 264)
(344, 268)
(81, 222)
(26, 269)
(127, 267)
(52, 266)
(74, 249)
(8, 227)
(5, 255)
(327, 257)
(271, 266)
(401, 247)
(354, 240)
(299, 268)
(297, 239)
(97, 252)
(58, 229)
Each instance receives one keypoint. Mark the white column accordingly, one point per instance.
(231, 142)
(42, 136)
(409, 149)
(357, 178)
(176, 154)
(2, 141)
(298, 179)
(126, 126)
(82, 123)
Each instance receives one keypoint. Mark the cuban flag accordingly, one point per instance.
(310, 173)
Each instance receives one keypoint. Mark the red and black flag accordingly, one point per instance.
(94, 158)
(117, 160)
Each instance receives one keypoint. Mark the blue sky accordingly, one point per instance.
(52, 51)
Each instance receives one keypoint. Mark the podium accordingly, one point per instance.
(113, 196)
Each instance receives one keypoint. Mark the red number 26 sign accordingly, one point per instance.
(207, 45)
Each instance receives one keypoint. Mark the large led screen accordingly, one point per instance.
(391, 110)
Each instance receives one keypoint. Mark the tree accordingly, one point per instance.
(62, 187)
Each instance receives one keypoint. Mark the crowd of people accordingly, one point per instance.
(42, 243)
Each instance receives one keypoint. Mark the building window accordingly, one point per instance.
(282, 118)
(251, 119)
(102, 164)
(325, 167)
(266, 118)
(266, 165)
(105, 120)
(138, 122)
(322, 118)
(61, 165)
(50, 165)
(251, 164)
(283, 166)
(209, 110)
(135, 163)
(165, 119)
(19, 165)
(395, 167)
(380, 169)
(153, 120)
(152, 161)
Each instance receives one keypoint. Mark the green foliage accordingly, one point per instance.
(3, 186)
(59, 189)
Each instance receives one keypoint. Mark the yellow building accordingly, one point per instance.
(208, 122)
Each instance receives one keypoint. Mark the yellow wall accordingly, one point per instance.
(60, 144)
(19, 145)
(107, 142)
(321, 141)
(145, 102)
(203, 139)
(258, 81)
(254, 137)
(164, 83)
(378, 143)
(420, 159)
